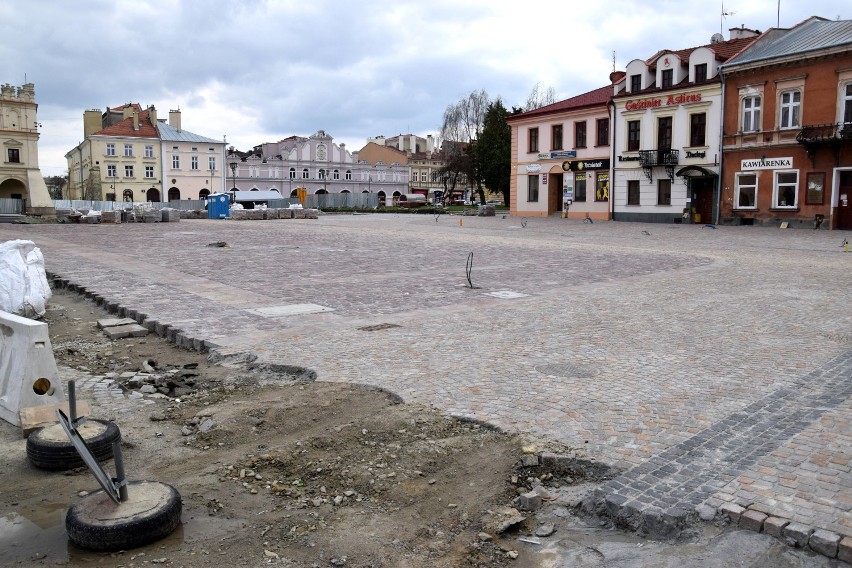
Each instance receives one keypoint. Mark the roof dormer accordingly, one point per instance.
(670, 71)
(639, 76)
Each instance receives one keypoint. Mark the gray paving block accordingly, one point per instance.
(844, 551)
(824, 542)
(774, 526)
(798, 534)
(122, 331)
(113, 322)
(752, 520)
(733, 511)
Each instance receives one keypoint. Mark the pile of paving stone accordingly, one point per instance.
(173, 381)
(266, 214)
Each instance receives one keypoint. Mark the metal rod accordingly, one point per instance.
(120, 480)
(72, 403)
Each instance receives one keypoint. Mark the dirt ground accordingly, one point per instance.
(275, 468)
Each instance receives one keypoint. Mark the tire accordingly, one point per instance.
(49, 448)
(151, 512)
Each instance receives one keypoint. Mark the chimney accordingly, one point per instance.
(135, 121)
(174, 119)
(430, 144)
(91, 122)
(616, 76)
(127, 111)
(742, 32)
(152, 115)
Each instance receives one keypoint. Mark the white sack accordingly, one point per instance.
(23, 283)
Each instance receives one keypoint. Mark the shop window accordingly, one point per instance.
(580, 134)
(751, 114)
(633, 133)
(633, 192)
(815, 190)
(664, 191)
(533, 139)
(580, 187)
(602, 188)
(532, 188)
(697, 129)
(786, 192)
(791, 103)
(603, 132)
(745, 192)
(556, 137)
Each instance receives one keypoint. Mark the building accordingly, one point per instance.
(561, 155)
(666, 133)
(788, 128)
(193, 166)
(408, 143)
(128, 154)
(425, 173)
(20, 176)
(315, 164)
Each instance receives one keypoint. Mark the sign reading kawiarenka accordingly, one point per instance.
(767, 164)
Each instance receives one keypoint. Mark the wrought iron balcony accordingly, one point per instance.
(652, 158)
(824, 133)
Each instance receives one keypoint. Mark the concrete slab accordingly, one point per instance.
(122, 331)
(113, 322)
(291, 310)
(36, 417)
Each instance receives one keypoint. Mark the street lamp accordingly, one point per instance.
(233, 166)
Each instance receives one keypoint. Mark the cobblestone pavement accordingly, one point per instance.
(708, 365)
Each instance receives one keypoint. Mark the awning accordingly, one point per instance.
(695, 171)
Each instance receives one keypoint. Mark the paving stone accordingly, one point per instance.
(113, 322)
(798, 534)
(128, 330)
(733, 511)
(752, 520)
(824, 542)
(774, 526)
(844, 551)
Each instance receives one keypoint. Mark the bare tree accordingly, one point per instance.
(539, 97)
(463, 120)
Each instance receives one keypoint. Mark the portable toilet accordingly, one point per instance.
(218, 206)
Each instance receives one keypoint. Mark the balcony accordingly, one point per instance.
(650, 159)
(832, 136)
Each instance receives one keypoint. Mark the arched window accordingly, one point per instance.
(203, 194)
(345, 191)
(348, 175)
(292, 173)
(174, 194)
(321, 192)
(305, 173)
(336, 174)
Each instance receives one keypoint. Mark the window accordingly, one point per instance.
(14, 155)
(149, 151)
(532, 188)
(580, 187)
(847, 103)
(194, 163)
(414, 176)
(112, 171)
(786, 190)
(633, 133)
(128, 171)
(635, 83)
(580, 134)
(700, 72)
(751, 114)
(533, 141)
(348, 175)
(211, 163)
(664, 133)
(697, 129)
(336, 174)
(556, 137)
(664, 191)
(603, 132)
(633, 192)
(175, 162)
(292, 173)
(149, 172)
(305, 173)
(667, 76)
(110, 149)
(128, 150)
(815, 189)
(790, 103)
(602, 189)
(128, 195)
(745, 193)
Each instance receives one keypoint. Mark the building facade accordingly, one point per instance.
(561, 157)
(315, 164)
(20, 176)
(788, 128)
(666, 133)
(128, 154)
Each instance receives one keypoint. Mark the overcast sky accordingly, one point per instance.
(259, 71)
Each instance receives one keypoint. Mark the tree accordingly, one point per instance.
(493, 150)
(539, 97)
(462, 123)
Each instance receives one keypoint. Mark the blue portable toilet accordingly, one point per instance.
(218, 206)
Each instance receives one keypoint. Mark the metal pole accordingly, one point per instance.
(120, 480)
(72, 403)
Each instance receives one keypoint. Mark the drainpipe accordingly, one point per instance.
(612, 121)
(718, 215)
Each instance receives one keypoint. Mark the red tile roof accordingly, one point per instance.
(598, 97)
(125, 127)
(724, 50)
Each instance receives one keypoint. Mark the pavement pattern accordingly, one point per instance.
(709, 366)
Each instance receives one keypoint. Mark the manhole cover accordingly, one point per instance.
(571, 370)
(378, 327)
(506, 294)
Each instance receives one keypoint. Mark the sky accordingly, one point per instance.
(254, 71)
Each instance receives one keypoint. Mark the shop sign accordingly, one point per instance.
(557, 154)
(628, 158)
(766, 164)
(661, 102)
(544, 156)
(700, 154)
(582, 165)
(543, 179)
(533, 168)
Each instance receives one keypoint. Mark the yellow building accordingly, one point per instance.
(20, 176)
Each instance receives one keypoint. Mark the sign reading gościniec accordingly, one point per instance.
(766, 164)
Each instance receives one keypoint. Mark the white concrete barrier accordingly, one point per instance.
(28, 374)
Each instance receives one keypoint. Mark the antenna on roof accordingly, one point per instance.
(724, 13)
(613, 61)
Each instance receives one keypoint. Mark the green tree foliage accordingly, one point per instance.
(493, 150)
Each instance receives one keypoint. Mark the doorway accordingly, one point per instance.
(701, 194)
(554, 193)
(844, 203)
